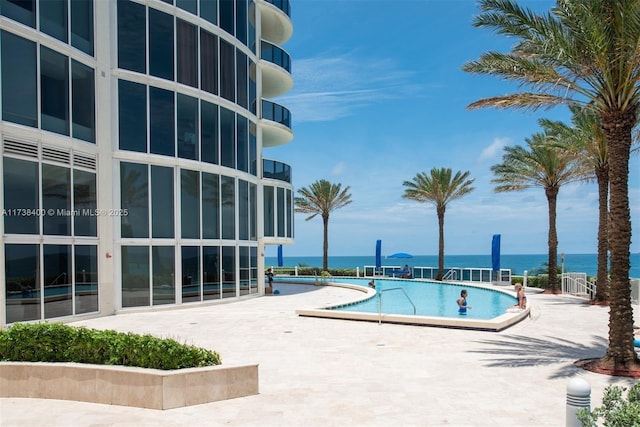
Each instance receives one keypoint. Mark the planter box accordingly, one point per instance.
(127, 386)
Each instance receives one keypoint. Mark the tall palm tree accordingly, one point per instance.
(438, 187)
(581, 52)
(538, 165)
(586, 140)
(322, 198)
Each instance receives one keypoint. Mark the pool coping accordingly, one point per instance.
(494, 325)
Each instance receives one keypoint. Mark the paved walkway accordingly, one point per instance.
(324, 372)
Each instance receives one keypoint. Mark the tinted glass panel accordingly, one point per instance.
(160, 44)
(227, 19)
(57, 281)
(134, 197)
(228, 272)
(187, 53)
(209, 132)
(243, 270)
(22, 282)
(83, 102)
(190, 203)
(253, 225)
(84, 202)
(82, 25)
(269, 212)
(191, 274)
(243, 143)
(253, 162)
(253, 96)
(53, 18)
(190, 6)
(208, 62)
(56, 197)
(188, 147)
(162, 129)
(211, 272)
(86, 290)
(210, 206)
(132, 116)
(164, 287)
(162, 219)
(19, 80)
(243, 210)
(20, 10)
(132, 37)
(251, 42)
(135, 276)
(281, 211)
(243, 89)
(54, 91)
(21, 183)
(289, 213)
(209, 10)
(227, 71)
(228, 207)
(241, 21)
(227, 137)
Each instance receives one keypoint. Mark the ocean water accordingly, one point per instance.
(579, 263)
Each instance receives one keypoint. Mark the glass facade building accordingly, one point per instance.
(133, 139)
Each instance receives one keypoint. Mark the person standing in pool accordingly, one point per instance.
(462, 302)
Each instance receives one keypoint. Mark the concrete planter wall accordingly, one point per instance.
(127, 386)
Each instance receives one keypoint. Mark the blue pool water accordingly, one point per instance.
(431, 299)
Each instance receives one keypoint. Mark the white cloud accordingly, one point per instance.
(338, 169)
(494, 150)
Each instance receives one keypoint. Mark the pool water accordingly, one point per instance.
(431, 299)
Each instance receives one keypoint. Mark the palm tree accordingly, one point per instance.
(438, 188)
(539, 165)
(586, 140)
(581, 52)
(321, 198)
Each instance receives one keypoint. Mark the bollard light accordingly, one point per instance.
(578, 397)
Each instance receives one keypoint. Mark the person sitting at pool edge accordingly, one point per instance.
(462, 302)
(522, 298)
(372, 284)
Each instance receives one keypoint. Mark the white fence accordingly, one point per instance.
(457, 274)
(578, 285)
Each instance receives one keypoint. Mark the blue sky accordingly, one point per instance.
(379, 96)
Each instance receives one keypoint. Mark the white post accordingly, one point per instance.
(357, 271)
(296, 270)
(578, 397)
(524, 279)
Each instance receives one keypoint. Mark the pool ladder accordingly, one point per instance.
(381, 291)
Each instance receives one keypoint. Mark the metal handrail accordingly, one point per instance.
(380, 302)
(451, 274)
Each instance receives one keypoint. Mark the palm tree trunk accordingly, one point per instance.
(617, 127)
(325, 244)
(602, 278)
(552, 196)
(440, 211)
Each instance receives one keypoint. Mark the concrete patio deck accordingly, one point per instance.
(325, 372)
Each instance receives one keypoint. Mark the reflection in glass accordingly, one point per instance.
(132, 116)
(56, 198)
(54, 91)
(162, 121)
(211, 272)
(253, 149)
(164, 287)
(229, 272)
(86, 284)
(241, 20)
(209, 132)
(83, 102)
(289, 213)
(21, 183)
(209, 10)
(253, 210)
(190, 203)
(19, 80)
(82, 25)
(253, 251)
(227, 138)
(242, 79)
(243, 210)
(190, 6)
(160, 44)
(187, 127)
(187, 49)
(22, 11)
(53, 18)
(227, 71)
(57, 281)
(132, 37)
(22, 282)
(191, 274)
(162, 212)
(244, 270)
(269, 211)
(134, 197)
(135, 276)
(210, 206)
(84, 203)
(208, 62)
(243, 144)
(228, 207)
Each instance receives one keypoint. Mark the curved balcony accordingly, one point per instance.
(275, 124)
(276, 70)
(276, 20)
(273, 169)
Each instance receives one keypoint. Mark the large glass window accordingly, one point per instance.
(164, 287)
(57, 281)
(86, 283)
(253, 210)
(228, 207)
(210, 206)
(23, 11)
(211, 272)
(253, 95)
(56, 198)
(269, 212)
(132, 36)
(241, 20)
(135, 276)
(227, 71)
(227, 138)
(162, 121)
(162, 211)
(190, 6)
(54, 91)
(188, 147)
(84, 202)
(191, 274)
(83, 102)
(160, 44)
(21, 196)
(132, 116)
(244, 270)
(19, 79)
(289, 212)
(243, 144)
(208, 62)
(134, 197)
(227, 19)
(53, 18)
(82, 25)
(253, 253)
(253, 149)
(281, 211)
(242, 70)
(22, 282)
(190, 203)
(243, 210)
(209, 10)
(187, 47)
(209, 151)
(228, 272)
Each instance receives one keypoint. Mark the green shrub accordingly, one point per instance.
(57, 342)
(616, 411)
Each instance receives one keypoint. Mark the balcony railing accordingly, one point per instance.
(276, 170)
(276, 55)
(283, 5)
(276, 113)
